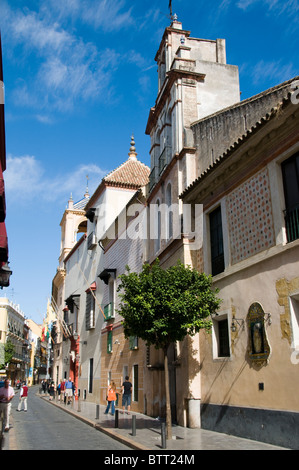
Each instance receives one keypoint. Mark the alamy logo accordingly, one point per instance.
(158, 222)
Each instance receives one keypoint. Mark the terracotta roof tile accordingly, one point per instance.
(132, 173)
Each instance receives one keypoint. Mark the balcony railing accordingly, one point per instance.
(163, 161)
(291, 216)
(152, 179)
(157, 171)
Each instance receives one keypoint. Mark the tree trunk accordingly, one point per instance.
(167, 394)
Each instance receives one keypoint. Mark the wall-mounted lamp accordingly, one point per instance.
(116, 341)
(236, 322)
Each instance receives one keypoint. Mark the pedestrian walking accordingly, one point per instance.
(62, 390)
(6, 395)
(127, 394)
(44, 386)
(51, 391)
(58, 389)
(111, 397)
(23, 397)
(69, 391)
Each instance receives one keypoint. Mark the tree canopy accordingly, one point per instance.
(162, 306)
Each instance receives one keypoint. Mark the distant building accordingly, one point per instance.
(12, 322)
(35, 332)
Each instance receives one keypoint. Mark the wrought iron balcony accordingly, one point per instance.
(152, 179)
(158, 170)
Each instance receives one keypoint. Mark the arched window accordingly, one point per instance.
(169, 214)
(157, 226)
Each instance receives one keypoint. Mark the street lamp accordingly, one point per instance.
(5, 274)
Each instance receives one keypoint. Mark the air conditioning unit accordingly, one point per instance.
(91, 241)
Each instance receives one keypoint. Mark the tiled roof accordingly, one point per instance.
(81, 204)
(132, 173)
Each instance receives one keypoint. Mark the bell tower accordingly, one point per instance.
(194, 81)
(72, 223)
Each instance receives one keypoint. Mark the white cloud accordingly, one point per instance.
(26, 180)
(272, 70)
(288, 7)
(107, 14)
(67, 70)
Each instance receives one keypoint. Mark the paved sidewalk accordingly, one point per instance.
(148, 431)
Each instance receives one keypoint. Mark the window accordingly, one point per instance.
(90, 376)
(109, 342)
(135, 382)
(290, 174)
(133, 342)
(294, 309)
(157, 228)
(90, 310)
(221, 337)
(169, 215)
(216, 240)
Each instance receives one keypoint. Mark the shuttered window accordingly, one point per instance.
(90, 311)
(216, 238)
(290, 173)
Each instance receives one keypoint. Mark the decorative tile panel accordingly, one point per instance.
(250, 218)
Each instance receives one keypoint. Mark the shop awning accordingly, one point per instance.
(3, 243)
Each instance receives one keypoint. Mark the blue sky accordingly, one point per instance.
(80, 78)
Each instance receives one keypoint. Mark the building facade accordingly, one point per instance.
(12, 324)
(35, 332)
(250, 228)
(73, 226)
(82, 291)
(222, 196)
(123, 246)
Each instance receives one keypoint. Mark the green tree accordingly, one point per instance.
(9, 350)
(162, 306)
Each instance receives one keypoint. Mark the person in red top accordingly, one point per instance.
(62, 390)
(23, 397)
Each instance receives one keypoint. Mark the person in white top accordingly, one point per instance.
(6, 395)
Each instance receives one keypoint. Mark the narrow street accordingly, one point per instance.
(45, 427)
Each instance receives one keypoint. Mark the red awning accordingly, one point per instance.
(3, 242)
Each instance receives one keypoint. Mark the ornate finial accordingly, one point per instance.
(172, 17)
(70, 202)
(132, 154)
